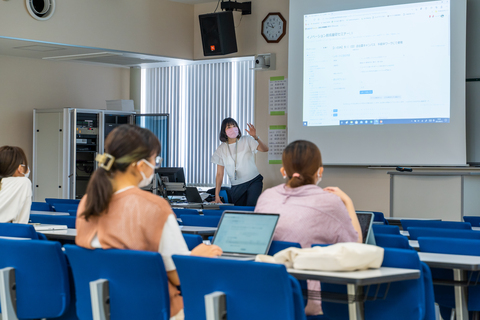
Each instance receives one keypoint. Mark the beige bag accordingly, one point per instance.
(345, 256)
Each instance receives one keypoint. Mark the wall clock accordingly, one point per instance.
(274, 27)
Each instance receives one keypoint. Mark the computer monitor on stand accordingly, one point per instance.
(169, 181)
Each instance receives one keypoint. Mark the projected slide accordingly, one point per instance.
(383, 65)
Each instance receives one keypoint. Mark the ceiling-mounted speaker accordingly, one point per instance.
(40, 9)
(218, 33)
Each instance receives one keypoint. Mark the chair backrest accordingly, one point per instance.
(469, 247)
(73, 213)
(182, 212)
(416, 232)
(64, 207)
(278, 246)
(253, 290)
(137, 282)
(66, 201)
(405, 299)
(69, 221)
(214, 213)
(224, 195)
(192, 240)
(41, 276)
(392, 241)
(473, 220)
(435, 224)
(18, 230)
(200, 221)
(384, 229)
(236, 208)
(41, 206)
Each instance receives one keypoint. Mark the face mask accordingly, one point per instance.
(26, 175)
(319, 180)
(232, 132)
(146, 181)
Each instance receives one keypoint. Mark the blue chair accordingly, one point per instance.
(65, 201)
(435, 224)
(411, 299)
(377, 216)
(236, 208)
(42, 283)
(200, 221)
(64, 207)
(69, 221)
(384, 229)
(253, 290)
(278, 246)
(213, 213)
(137, 282)
(392, 241)
(473, 220)
(223, 194)
(444, 295)
(183, 212)
(416, 232)
(192, 240)
(41, 206)
(73, 213)
(19, 230)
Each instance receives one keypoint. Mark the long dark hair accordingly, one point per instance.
(128, 144)
(10, 159)
(304, 158)
(225, 123)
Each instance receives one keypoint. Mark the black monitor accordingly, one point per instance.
(171, 174)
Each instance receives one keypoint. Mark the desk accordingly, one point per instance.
(355, 280)
(70, 234)
(209, 206)
(460, 264)
(65, 234)
(414, 244)
(405, 233)
(14, 238)
(50, 213)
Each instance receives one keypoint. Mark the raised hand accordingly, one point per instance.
(251, 130)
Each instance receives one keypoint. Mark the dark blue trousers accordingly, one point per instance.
(246, 194)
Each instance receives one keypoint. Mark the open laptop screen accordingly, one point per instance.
(245, 232)
(366, 219)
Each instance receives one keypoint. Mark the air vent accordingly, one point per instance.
(40, 9)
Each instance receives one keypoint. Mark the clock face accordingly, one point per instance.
(273, 27)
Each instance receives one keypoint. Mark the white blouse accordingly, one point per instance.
(245, 154)
(15, 199)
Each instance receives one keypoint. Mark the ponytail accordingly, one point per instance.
(125, 145)
(301, 160)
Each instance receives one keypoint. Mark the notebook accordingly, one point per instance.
(243, 235)
(366, 220)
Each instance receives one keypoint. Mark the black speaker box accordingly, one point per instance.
(218, 33)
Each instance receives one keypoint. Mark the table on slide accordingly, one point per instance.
(355, 280)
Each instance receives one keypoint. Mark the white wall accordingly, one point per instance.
(158, 27)
(369, 189)
(26, 84)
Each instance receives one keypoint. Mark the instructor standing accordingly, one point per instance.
(236, 156)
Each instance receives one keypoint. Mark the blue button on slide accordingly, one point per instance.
(366, 92)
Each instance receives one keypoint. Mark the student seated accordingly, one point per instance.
(116, 213)
(309, 214)
(15, 187)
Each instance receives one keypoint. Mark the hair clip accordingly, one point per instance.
(105, 161)
(296, 175)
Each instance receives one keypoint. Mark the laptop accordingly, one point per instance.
(243, 235)
(192, 195)
(366, 221)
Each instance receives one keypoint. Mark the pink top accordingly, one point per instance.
(308, 215)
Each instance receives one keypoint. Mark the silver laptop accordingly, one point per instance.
(366, 220)
(243, 235)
